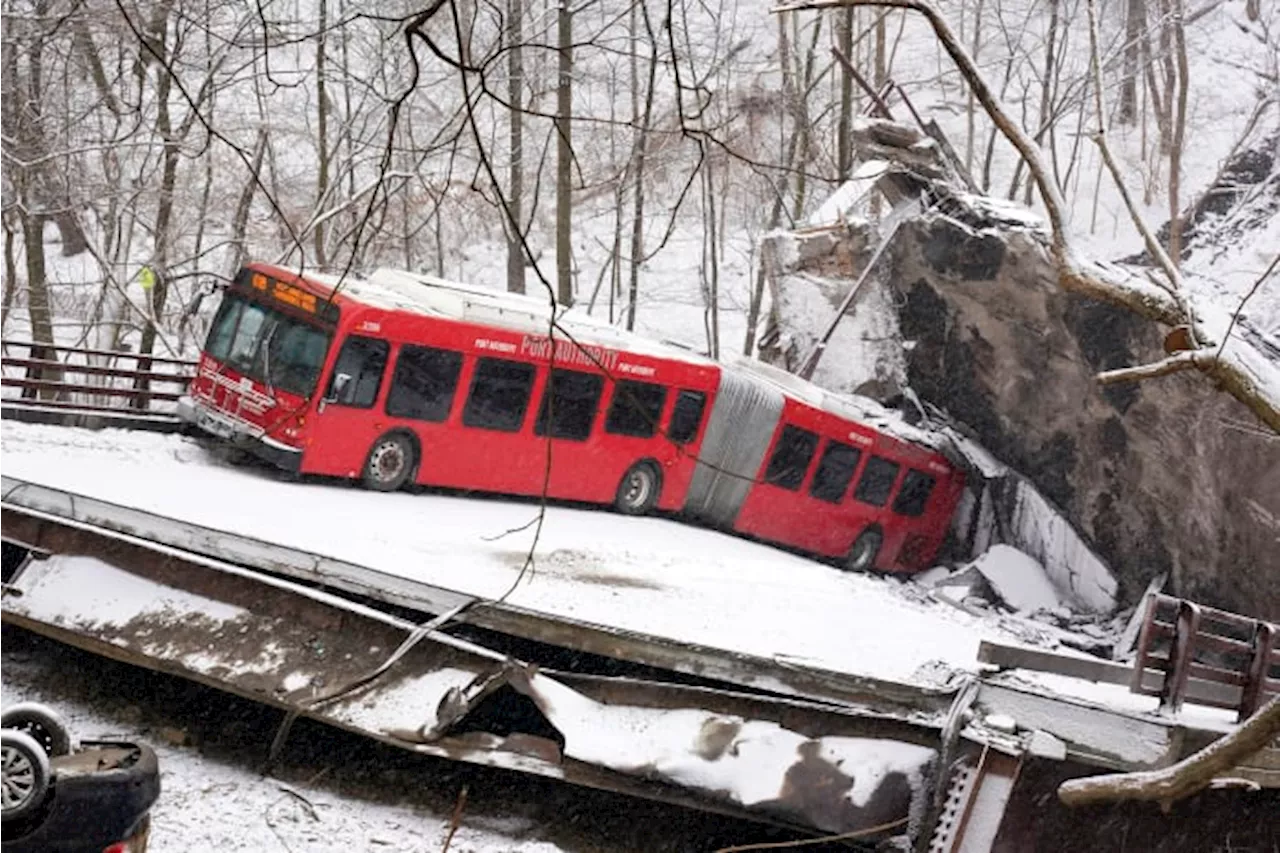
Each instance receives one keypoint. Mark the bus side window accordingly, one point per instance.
(362, 361)
(499, 394)
(636, 408)
(686, 417)
(791, 457)
(876, 481)
(423, 384)
(914, 494)
(835, 470)
(573, 398)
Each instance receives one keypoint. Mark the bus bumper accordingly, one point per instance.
(214, 423)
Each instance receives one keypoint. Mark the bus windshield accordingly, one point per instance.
(267, 345)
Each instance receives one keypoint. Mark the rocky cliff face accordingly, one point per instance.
(1167, 475)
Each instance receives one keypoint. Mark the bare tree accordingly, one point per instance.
(564, 155)
(515, 119)
(1233, 368)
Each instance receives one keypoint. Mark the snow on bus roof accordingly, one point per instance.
(429, 295)
(438, 297)
(862, 409)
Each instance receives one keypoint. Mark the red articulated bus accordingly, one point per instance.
(401, 377)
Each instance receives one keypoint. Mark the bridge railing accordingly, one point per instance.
(54, 376)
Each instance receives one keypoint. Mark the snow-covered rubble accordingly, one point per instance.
(1017, 579)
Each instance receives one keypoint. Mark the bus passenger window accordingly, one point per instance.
(422, 386)
(915, 491)
(835, 470)
(362, 360)
(791, 457)
(573, 398)
(499, 395)
(687, 416)
(876, 481)
(636, 408)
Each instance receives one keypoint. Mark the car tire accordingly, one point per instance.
(390, 462)
(862, 554)
(639, 489)
(42, 724)
(25, 775)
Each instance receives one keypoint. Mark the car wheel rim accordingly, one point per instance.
(387, 462)
(638, 488)
(39, 734)
(19, 779)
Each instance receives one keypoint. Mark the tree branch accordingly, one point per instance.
(1233, 369)
(1190, 775)
(1185, 360)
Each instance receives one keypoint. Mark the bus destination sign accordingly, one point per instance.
(286, 293)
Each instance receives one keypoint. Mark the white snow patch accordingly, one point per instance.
(409, 705)
(1017, 578)
(676, 745)
(88, 585)
(842, 205)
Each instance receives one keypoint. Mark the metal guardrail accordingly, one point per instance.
(1183, 641)
(54, 376)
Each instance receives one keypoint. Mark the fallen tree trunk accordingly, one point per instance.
(1189, 776)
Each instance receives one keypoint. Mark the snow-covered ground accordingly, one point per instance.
(655, 576)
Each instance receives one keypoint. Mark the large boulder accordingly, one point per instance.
(1165, 475)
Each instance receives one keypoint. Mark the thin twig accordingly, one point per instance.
(1236, 314)
(456, 819)
(807, 842)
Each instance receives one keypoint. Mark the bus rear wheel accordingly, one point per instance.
(865, 549)
(390, 463)
(638, 492)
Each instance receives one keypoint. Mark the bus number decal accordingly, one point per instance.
(635, 369)
(494, 346)
(859, 438)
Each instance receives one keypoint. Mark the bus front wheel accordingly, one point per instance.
(639, 489)
(390, 463)
(865, 549)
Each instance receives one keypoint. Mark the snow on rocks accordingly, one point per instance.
(1018, 579)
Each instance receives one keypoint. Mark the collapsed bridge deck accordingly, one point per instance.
(720, 701)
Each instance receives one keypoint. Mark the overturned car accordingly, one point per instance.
(59, 795)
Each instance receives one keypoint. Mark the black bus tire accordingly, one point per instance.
(391, 461)
(639, 489)
(42, 724)
(864, 550)
(26, 774)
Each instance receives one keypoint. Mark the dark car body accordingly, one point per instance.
(99, 799)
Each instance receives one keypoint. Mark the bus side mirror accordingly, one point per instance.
(339, 384)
